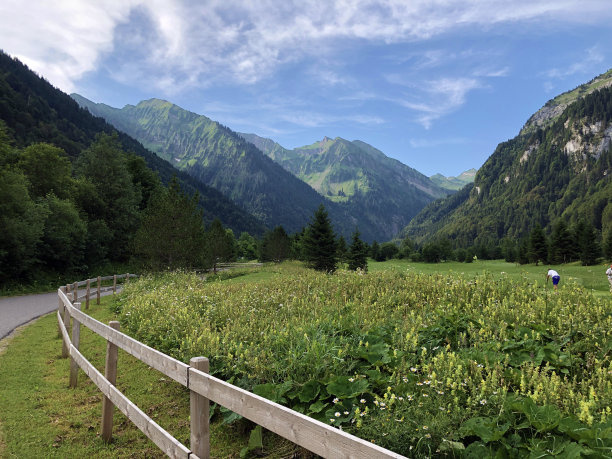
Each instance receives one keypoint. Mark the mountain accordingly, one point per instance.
(558, 167)
(454, 183)
(380, 191)
(554, 108)
(35, 111)
(219, 157)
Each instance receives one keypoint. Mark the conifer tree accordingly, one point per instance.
(342, 250)
(319, 243)
(561, 243)
(172, 231)
(608, 246)
(358, 254)
(220, 244)
(588, 245)
(276, 245)
(538, 247)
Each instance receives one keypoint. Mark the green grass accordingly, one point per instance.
(42, 417)
(590, 277)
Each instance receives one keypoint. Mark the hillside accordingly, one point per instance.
(560, 171)
(380, 194)
(553, 109)
(380, 191)
(454, 183)
(35, 111)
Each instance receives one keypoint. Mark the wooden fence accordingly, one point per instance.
(315, 436)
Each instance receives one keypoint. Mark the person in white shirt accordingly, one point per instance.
(609, 273)
(554, 275)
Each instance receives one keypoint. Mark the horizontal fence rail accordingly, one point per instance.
(315, 436)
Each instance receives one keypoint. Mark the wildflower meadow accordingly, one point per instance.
(422, 364)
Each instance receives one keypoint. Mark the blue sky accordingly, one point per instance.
(436, 84)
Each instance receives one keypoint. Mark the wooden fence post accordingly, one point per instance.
(127, 278)
(68, 291)
(99, 287)
(114, 284)
(87, 293)
(110, 373)
(60, 308)
(65, 346)
(199, 411)
(76, 337)
(75, 293)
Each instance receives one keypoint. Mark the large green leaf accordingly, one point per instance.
(485, 428)
(310, 391)
(345, 387)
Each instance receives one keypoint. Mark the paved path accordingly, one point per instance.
(17, 310)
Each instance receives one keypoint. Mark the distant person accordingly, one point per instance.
(609, 273)
(554, 275)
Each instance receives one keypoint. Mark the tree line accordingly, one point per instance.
(578, 242)
(63, 217)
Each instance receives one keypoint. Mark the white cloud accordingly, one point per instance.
(237, 41)
(591, 56)
(442, 96)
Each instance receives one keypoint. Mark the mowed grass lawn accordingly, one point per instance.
(592, 278)
(41, 417)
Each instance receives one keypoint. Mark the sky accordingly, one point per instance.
(436, 84)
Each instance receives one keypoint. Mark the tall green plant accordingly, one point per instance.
(319, 243)
(172, 232)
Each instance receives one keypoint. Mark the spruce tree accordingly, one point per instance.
(608, 246)
(561, 243)
(342, 250)
(588, 245)
(538, 247)
(276, 245)
(319, 243)
(172, 231)
(358, 254)
(220, 244)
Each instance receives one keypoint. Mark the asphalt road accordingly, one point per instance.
(18, 310)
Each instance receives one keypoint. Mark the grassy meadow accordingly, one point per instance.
(446, 360)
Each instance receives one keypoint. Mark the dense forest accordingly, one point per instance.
(542, 177)
(35, 111)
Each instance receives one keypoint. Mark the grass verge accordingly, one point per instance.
(42, 417)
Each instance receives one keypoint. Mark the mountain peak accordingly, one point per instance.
(555, 107)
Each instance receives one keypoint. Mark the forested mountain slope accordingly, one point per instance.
(221, 158)
(560, 171)
(381, 191)
(34, 111)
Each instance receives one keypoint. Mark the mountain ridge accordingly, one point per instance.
(36, 111)
(220, 158)
(559, 171)
(381, 190)
(265, 174)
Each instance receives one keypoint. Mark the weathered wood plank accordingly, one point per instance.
(76, 338)
(172, 368)
(321, 439)
(199, 408)
(166, 442)
(110, 373)
(65, 337)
